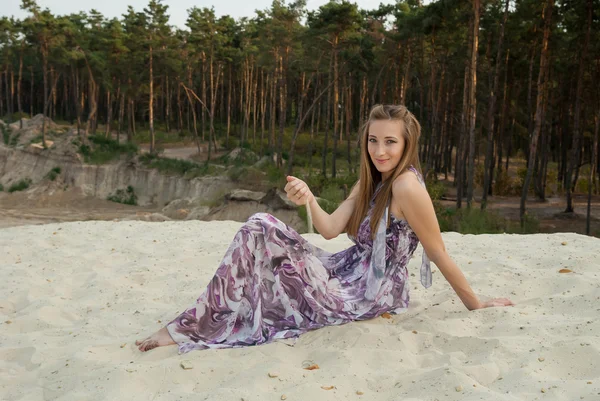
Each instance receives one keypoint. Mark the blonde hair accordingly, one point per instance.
(370, 177)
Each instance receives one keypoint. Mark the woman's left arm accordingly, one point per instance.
(417, 208)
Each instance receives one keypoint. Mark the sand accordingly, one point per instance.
(75, 296)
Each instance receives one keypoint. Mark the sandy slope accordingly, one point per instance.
(75, 296)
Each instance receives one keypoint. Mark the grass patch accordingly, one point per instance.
(104, 150)
(185, 168)
(477, 221)
(52, 174)
(247, 175)
(127, 196)
(20, 186)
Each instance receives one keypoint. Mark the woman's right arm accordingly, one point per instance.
(328, 225)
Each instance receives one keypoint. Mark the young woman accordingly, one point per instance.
(274, 284)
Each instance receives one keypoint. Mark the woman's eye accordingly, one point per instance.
(372, 140)
(390, 141)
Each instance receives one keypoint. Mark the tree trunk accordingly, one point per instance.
(464, 127)
(121, 114)
(151, 105)
(229, 85)
(593, 172)
(108, 114)
(576, 148)
(542, 85)
(19, 105)
(489, 156)
(473, 103)
(282, 109)
(45, 73)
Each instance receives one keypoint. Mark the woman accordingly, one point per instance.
(273, 284)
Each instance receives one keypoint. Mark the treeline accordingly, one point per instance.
(487, 79)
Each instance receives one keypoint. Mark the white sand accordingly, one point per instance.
(74, 297)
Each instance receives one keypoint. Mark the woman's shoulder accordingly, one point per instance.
(408, 181)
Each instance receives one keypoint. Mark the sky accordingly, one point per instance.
(177, 8)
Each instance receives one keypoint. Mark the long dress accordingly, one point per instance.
(273, 284)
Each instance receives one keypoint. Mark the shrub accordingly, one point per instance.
(6, 134)
(247, 175)
(333, 193)
(275, 176)
(20, 186)
(172, 166)
(127, 196)
(436, 190)
(52, 174)
(105, 150)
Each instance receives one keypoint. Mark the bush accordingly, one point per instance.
(333, 193)
(20, 186)
(6, 134)
(105, 150)
(436, 190)
(520, 181)
(247, 175)
(1, 188)
(127, 197)
(52, 174)
(325, 204)
(230, 143)
(172, 166)
(531, 225)
(275, 176)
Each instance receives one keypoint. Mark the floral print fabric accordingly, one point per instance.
(274, 284)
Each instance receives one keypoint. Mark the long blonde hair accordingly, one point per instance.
(370, 177)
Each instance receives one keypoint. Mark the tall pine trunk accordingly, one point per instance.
(151, 105)
(489, 155)
(576, 148)
(473, 103)
(541, 85)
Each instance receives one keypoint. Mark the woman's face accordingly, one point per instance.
(386, 145)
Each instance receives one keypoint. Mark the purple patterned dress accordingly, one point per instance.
(274, 284)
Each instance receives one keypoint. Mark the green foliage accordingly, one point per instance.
(20, 185)
(275, 176)
(477, 221)
(247, 175)
(318, 183)
(241, 157)
(52, 174)
(104, 150)
(166, 165)
(6, 131)
(230, 143)
(1, 188)
(127, 196)
(327, 205)
(14, 140)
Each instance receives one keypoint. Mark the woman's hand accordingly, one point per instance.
(496, 302)
(297, 191)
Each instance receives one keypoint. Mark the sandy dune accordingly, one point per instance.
(75, 296)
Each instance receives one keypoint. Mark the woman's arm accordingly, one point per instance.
(416, 206)
(328, 225)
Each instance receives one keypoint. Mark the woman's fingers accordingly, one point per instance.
(499, 302)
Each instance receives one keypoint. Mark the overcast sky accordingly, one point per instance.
(177, 8)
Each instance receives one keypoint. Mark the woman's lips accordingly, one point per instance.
(380, 161)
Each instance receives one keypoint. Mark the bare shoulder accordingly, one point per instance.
(407, 183)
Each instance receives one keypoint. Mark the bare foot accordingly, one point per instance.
(158, 339)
